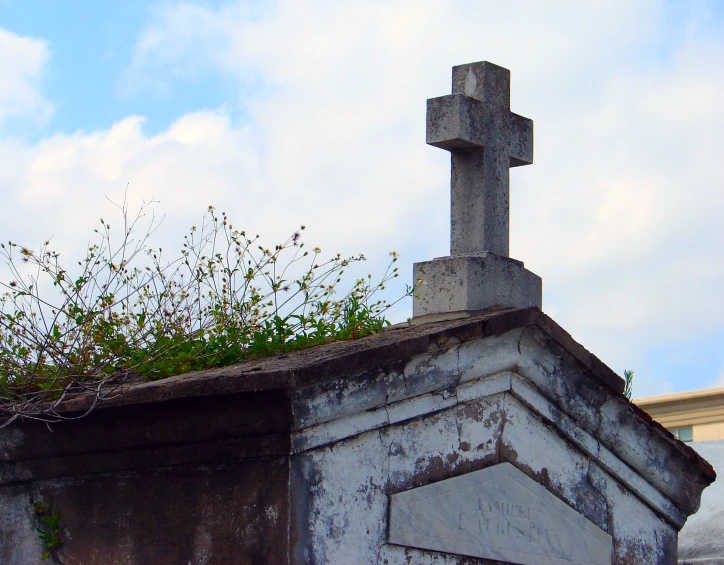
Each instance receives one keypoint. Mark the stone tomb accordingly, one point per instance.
(489, 439)
(481, 433)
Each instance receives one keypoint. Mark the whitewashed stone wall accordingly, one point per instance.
(462, 407)
(294, 459)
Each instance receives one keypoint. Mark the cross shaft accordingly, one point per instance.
(485, 139)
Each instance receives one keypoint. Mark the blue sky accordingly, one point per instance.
(90, 45)
(312, 112)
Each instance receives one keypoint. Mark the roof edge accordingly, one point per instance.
(338, 359)
(301, 368)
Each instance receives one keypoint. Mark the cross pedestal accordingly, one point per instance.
(485, 139)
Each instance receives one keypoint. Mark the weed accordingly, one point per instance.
(124, 313)
(49, 528)
(628, 376)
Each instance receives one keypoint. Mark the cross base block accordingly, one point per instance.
(473, 282)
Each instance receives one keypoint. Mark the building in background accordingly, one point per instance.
(697, 415)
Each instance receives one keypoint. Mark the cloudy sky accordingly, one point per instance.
(313, 112)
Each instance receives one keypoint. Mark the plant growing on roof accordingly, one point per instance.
(628, 388)
(124, 313)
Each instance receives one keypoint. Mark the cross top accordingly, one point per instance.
(485, 139)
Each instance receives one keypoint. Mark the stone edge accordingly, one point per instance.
(338, 359)
(506, 381)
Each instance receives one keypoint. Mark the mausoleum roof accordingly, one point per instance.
(400, 342)
(309, 366)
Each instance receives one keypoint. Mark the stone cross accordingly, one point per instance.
(485, 139)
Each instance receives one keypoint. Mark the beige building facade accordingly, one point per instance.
(697, 415)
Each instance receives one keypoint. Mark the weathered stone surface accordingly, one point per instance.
(474, 282)
(18, 538)
(641, 536)
(701, 541)
(397, 555)
(200, 482)
(621, 426)
(326, 530)
(203, 514)
(319, 365)
(485, 426)
(182, 431)
(496, 513)
(485, 138)
(474, 434)
(311, 446)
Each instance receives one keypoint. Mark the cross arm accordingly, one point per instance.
(457, 122)
(520, 135)
(452, 122)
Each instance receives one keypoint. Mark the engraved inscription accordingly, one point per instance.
(497, 513)
(510, 520)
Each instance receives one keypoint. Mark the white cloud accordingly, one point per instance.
(620, 213)
(22, 61)
(61, 184)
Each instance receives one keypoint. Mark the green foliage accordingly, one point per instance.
(49, 528)
(124, 314)
(628, 389)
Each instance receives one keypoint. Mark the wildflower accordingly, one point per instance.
(317, 250)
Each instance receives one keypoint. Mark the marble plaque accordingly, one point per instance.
(496, 513)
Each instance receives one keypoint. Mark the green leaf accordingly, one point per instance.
(628, 388)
